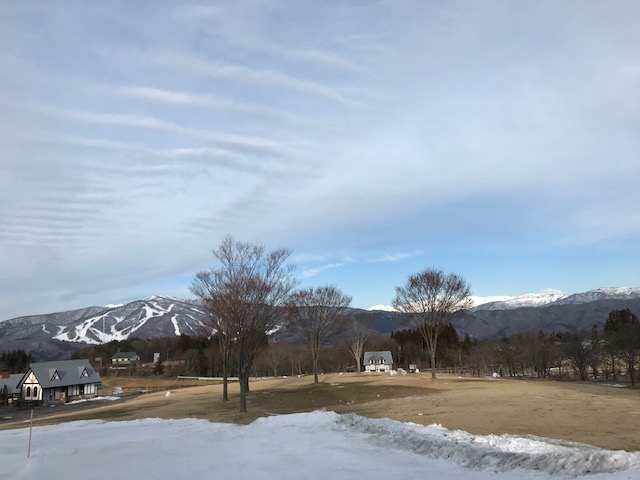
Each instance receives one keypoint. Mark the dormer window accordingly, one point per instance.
(55, 376)
(84, 373)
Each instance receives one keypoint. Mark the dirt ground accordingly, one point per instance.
(595, 414)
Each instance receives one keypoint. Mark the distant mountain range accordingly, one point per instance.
(57, 335)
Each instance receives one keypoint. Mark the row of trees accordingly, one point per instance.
(251, 293)
(250, 287)
(607, 353)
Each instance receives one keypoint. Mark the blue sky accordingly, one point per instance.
(499, 140)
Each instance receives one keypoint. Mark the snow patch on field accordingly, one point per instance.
(316, 445)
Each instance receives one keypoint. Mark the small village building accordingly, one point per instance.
(59, 380)
(378, 361)
(125, 359)
(9, 391)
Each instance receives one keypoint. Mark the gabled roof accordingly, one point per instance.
(11, 383)
(63, 373)
(385, 355)
(127, 355)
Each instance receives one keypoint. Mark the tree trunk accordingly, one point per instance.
(433, 363)
(244, 383)
(314, 359)
(225, 380)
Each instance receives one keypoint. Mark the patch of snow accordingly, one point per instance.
(617, 291)
(384, 308)
(176, 329)
(110, 398)
(477, 301)
(541, 298)
(80, 333)
(315, 445)
(44, 328)
(274, 330)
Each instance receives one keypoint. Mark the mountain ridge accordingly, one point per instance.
(56, 335)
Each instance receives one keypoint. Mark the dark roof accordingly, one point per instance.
(128, 355)
(63, 373)
(11, 383)
(385, 355)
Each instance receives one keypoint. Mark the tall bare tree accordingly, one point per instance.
(244, 295)
(317, 315)
(358, 332)
(432, 298)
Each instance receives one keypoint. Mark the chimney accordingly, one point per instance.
(5, 373)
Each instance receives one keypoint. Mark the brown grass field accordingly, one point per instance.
(595, 414)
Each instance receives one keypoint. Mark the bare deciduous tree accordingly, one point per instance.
(243, 296)
(579, 350)
(431, 299)
(317, 315)
(358, 332)
(209, 287)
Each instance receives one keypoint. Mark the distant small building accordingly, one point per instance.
(378, 361)
(59, 380)
(11, 384)
(125, 359)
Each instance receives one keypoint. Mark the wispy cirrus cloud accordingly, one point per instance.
(262, 77)
(185, 98)
(393, 257)
(345, 127)
(312, 272)
(150, 122)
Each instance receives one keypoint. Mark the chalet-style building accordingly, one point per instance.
(59, 380)
(125, 359)
(378, 361)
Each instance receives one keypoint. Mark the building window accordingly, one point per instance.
(28, 393)
(35, 392)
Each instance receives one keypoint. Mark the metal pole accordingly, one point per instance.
(30, 430)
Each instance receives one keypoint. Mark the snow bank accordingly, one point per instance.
(493, 452)
(93, 399)
(316, 445)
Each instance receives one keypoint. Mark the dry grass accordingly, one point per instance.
(598, 415)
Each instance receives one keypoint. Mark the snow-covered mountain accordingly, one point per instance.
(139, 318)
(612, 293)
(57, 335)
(550, 296)
(543, 297)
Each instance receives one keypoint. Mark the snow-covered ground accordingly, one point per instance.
(316, 445)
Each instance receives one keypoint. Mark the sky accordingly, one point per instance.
(498, 140)
(315, 445)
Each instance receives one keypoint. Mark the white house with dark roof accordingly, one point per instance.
(60, 380)
(125, 359)
(378, 361)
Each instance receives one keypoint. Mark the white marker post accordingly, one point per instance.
(30, 430)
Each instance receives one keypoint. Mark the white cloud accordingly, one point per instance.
(312, 272)
(393, 257)
(423, 129)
